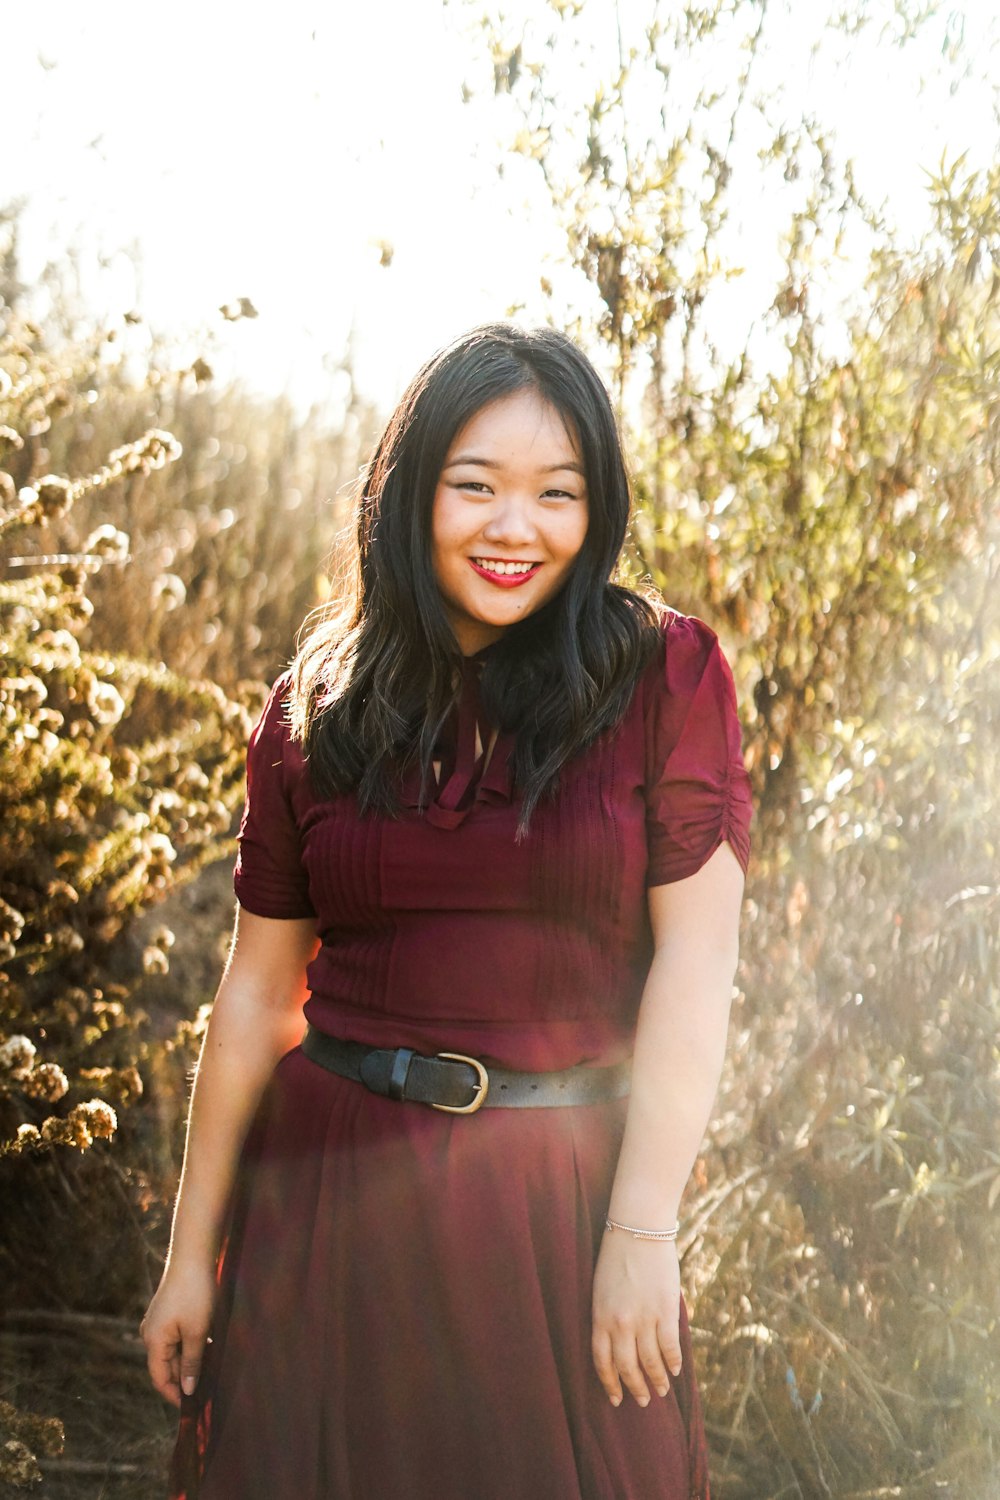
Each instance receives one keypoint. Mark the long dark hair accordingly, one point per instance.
(374, 678)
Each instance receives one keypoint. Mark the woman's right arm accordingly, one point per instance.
(255, 1020)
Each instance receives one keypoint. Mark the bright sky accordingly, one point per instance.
(200, 152)
(261, 151)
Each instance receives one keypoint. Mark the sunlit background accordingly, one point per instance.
(350, 170)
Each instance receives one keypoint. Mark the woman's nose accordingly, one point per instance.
(511, 521)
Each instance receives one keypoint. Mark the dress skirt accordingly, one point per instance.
(404, 1312)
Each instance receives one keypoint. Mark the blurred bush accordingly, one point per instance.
(827, 499)
(228, 545)
(143, 521)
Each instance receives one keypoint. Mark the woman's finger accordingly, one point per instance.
(600, 1348)
(164, 1369)
(626, 1360)
(651, 1360)
(192, 1350)
(669, 1340)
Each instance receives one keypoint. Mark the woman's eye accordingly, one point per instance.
(477, 487)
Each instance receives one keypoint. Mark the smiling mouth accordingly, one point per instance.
(508, 575)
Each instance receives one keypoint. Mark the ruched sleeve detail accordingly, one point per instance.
(697, 786)
(270, 879)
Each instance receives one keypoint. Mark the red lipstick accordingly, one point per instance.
(505, 580)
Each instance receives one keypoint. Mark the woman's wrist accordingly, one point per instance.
(645, 1203)
(191, 1248)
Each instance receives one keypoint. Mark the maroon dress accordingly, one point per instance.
(404, 1295)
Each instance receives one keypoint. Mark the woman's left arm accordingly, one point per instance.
(679, 1049)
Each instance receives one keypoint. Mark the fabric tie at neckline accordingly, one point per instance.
(455, 797)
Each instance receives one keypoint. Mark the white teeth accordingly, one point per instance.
(503, 567)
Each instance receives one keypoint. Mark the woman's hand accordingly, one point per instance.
(680, 1041)
(176, 1327)
(255, 1020)
(636, 1313)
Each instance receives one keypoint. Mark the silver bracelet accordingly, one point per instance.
(644, 1234)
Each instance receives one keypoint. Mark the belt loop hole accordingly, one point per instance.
(400, 1070)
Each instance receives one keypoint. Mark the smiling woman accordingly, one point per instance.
(492, 853)
(379, 679)
(503, 544)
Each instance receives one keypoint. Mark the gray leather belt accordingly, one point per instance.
(459, 1084)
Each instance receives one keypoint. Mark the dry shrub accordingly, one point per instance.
(157, 541)
(227, 544)
(826, 497)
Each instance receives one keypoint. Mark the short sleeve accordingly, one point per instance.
(270, 879)
(697, 787)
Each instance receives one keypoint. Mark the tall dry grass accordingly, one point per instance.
(826, 497)
(159, 542)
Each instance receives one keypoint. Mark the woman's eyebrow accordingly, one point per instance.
(491, 463)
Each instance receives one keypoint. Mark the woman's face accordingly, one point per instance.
(509, 517)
